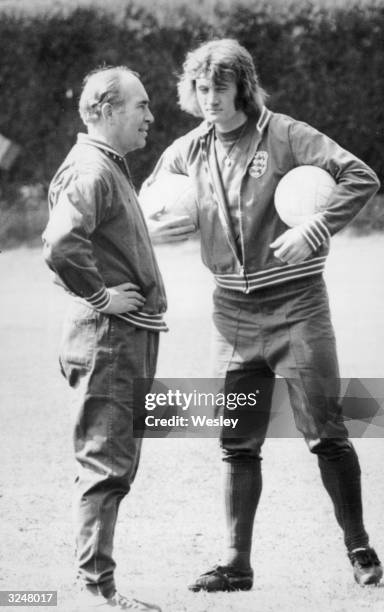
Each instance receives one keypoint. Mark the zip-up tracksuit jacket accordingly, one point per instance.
(97, 236)
(278, 144)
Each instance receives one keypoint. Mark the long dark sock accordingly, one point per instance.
(243, 484)
(341, 478)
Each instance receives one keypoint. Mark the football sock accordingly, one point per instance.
(341, 478)
(243, 484)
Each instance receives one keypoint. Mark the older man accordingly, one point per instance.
(97, 244)
(271, 310)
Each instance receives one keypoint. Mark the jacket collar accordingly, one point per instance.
(100, 144)
(108, 150)
(264, 118)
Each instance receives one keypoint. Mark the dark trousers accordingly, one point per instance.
(286, 331)
(101, 357)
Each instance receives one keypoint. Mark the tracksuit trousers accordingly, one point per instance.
(102, 356)
(284, 330)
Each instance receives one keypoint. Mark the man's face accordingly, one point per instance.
(129, 122)
(217, 103)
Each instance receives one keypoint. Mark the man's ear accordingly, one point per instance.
(107, 111)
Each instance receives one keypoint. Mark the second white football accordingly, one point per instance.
(302, 192)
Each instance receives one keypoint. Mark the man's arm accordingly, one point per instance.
(76, 212)
(163, 228)
(356, 185)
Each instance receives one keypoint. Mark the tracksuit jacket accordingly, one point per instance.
(97, 237)
(277, 144)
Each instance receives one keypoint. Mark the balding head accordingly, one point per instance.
(114, 106)
(105, 85)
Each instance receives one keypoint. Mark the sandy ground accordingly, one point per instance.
(171, 526)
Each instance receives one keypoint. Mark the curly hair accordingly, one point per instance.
(100, 86)
(222, 60)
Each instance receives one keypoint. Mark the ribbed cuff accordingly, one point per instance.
(315, 232)
(100, 300)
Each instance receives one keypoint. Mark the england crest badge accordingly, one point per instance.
(259, 164)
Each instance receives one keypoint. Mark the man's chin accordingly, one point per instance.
(212, 117)
(139, 144)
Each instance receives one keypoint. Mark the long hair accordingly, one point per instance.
(222, 61)
(100, 86)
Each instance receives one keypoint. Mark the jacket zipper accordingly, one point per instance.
(249, 159)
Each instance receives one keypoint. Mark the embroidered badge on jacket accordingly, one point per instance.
(259, 164)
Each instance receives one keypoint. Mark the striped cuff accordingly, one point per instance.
(145, 321)
(315, 232)
(99, 300)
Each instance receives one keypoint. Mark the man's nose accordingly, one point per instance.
(212, 97)
(149, 117)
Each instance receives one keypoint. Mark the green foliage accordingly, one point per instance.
(322, 63)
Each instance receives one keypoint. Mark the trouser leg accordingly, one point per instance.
(100, 485)
(309, 363)
(101, 357)
(338, 463)
(238, 362)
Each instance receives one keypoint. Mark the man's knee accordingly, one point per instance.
(94, 479)
(330, 449)
(239, 451)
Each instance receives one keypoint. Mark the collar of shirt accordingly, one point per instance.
(232, 137)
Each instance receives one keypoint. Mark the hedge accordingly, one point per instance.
(320, 63)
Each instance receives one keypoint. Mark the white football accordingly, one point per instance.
(303, 192)
(170, 195)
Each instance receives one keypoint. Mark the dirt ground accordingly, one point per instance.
(171, 526)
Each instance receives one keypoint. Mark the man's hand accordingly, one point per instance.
(124, 298)
(291, 247)
(163, 229)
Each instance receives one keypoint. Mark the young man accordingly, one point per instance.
(271, 310)
(98, 245)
